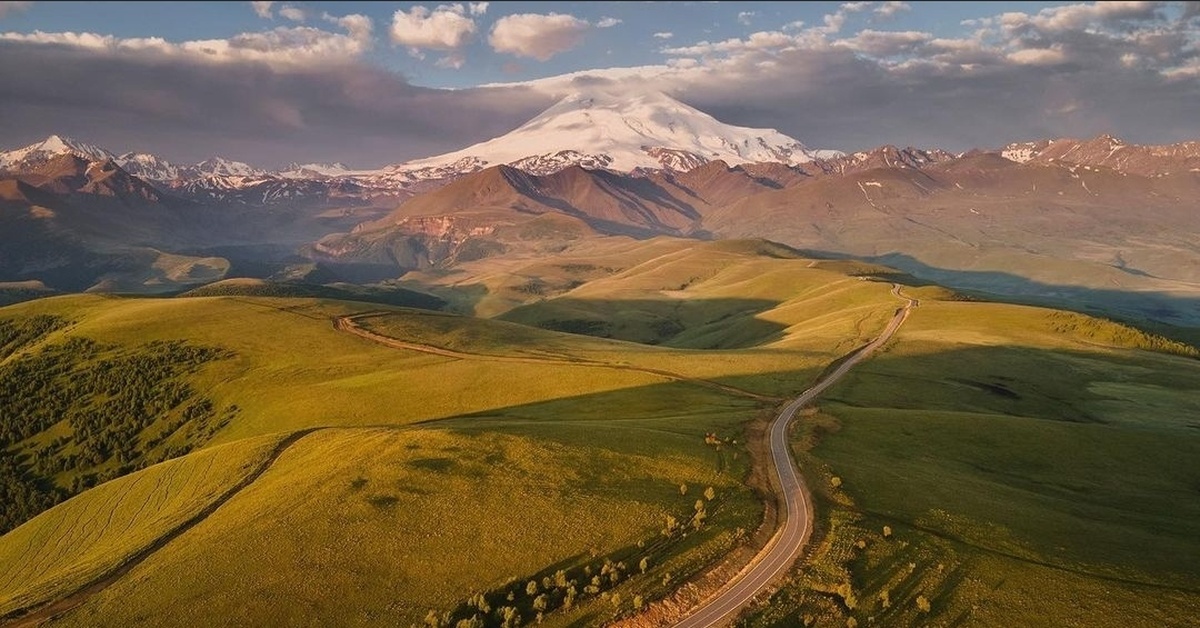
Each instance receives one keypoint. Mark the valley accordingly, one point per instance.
(608, 441)
(622, 363)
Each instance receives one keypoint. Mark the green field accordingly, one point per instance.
(415, 482)
(1033, 467)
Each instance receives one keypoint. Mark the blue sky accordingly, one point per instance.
(632, 42)
(372, 83)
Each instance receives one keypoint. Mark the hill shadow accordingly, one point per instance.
(1158, 309)
(685, 323)
(1082, 477)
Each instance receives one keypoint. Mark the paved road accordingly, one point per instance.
(783, 548)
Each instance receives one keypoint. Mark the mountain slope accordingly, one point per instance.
(1110, 152)
(1092, 237)
(625, 132)
(49, 148)
(503, 207)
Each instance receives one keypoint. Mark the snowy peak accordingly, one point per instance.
(1106, 151)
(49, 148)
(627, 132)
(220, 166)
(144, 165)
(315, 171)
(887, 156)
(148, 166)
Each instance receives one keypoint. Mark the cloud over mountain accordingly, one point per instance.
(537, 36)
(861, 74)
(188, 108)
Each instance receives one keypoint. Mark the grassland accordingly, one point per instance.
(363, 525)
(431, 479)
(76, 542)
(1031, 466)
(1004, 465)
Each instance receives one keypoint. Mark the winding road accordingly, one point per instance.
(775, 558)
(789, 540)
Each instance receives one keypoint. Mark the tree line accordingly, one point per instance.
(75, 413)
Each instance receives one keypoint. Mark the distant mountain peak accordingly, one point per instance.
(49, 148)
(1107, 151)
(226, 167)
(315, 170)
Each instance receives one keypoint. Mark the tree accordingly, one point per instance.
(638, 603)
(531, 589)
(683, 489)
(923, 603)
(644, 564)
(710, 494)
(672, 525)
(509, 617)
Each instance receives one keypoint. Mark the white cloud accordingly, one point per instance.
(293, 13)
(479, 8)
(1037, 56)
(1077, 16)
(890, 9)
(607, 22)
(744, 17)
(300, 46)
(537, 36)
(664, 35)
(886, 43)
(444, 28)
(359, 27)
(263, 9)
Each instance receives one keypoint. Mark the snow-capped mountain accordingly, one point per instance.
(149, 167)
(223, 167)
(314, 171)
(887, 156)
(143, 165)
(49, 148)
(1110, 152)
(623, 132)
(268, 189)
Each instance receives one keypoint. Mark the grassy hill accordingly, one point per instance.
(438, 463)
(1005, 465)
(411, 481)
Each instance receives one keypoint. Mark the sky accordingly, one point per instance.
(374, 83)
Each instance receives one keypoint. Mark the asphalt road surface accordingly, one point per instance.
(781, 551)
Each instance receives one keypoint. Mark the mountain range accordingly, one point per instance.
(1098, 223)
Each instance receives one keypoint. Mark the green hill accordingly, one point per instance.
(1007, 465)
(363, 463)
